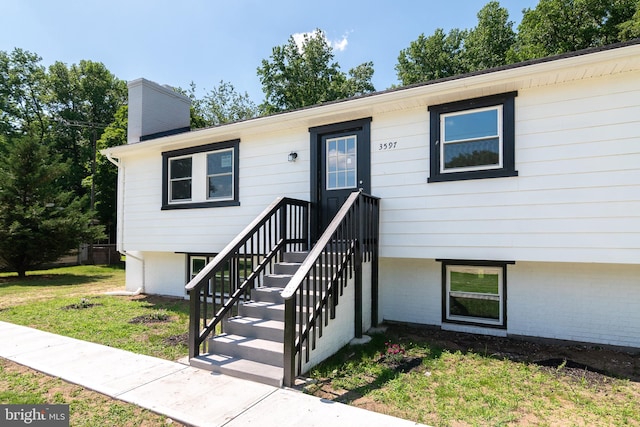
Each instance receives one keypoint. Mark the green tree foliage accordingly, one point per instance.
(22, 91)
(299, 76)
(65, 109)
(222, 104)
(106, 175)
(486, 45)
(559, 26)
(433, 57)
(39, 221)
(631, 29)
(552, 27)
(83, 100)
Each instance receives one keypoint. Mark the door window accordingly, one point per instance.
(341, 162)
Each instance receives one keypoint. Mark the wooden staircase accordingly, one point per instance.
(252, 345)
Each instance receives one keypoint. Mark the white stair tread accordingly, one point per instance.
(240, 368)
(265, 304)
(250, 342)
(258, 322)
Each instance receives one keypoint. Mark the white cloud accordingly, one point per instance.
(299, 39)
(339, 45)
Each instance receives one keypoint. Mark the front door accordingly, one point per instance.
(341, 157)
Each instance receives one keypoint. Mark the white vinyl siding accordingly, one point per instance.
(264, 175)
(576, 199)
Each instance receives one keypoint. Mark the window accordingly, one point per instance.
(220, 175)
(474, 292)
(180, 179)
(196, 264)
(473, 139)
(341, 162)
(203, 176)
(227, 280)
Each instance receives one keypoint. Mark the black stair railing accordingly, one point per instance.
(314, 291)
(226, 281)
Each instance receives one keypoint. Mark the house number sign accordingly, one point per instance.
(387, 146)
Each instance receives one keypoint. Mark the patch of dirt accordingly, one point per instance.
(594, 361)
(80, 306)
(151, 318)
(177, 339)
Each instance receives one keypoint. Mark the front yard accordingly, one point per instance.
(429, 376)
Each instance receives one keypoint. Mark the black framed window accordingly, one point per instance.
(473, 139)
(475, 292)
(201, 177)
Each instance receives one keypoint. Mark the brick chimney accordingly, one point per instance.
(155, 111)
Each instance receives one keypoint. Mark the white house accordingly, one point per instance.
(509, 198)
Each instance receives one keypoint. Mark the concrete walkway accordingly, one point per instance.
(177, 390)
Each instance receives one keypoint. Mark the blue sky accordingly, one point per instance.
(205, 41)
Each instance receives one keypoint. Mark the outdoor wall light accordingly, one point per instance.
(293, 156)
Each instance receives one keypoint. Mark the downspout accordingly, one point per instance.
(120, 235)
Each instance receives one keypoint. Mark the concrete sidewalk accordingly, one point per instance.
(177, 390)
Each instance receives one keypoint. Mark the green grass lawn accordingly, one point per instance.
(19, 385)
(445, 388)
(72, 302)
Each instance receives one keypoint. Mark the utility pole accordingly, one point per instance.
(92, 200)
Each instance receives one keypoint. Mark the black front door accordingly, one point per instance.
(341, 164)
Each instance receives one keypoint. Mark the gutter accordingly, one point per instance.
(120, 218)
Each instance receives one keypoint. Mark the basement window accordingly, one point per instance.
(473, 139)
(474, 292)
(227, 280)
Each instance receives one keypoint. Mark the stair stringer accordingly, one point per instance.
(341, 329)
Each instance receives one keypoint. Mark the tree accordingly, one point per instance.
(433, 57)
(22, 91)
(106, 176)
(559, 26)
(83, 100)
(487, 45)
(299, 76)
(631, 28)
(224, 105)
(39, 222)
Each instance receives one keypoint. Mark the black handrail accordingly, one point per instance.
(217, 290)
(313, 292)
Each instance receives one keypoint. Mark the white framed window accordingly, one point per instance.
(180, 179)
(196, 264)
(220, 175)
(341, 162)
(471, 140)
(475, 292)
